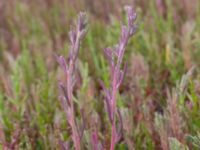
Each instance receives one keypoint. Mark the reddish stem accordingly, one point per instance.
(113, 138)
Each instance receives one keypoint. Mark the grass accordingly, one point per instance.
(165, 47)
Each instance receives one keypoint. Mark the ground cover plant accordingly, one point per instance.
(61, 88)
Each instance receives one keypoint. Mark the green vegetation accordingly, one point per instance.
(159, 98)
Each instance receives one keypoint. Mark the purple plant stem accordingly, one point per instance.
(76, 138)
(116, 73)
(94, 139)
(113, 99)
(113, 105)
(113, 137)
(69, 69)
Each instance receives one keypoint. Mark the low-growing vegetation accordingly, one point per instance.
(61, 88)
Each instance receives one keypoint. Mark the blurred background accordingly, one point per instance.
(165, 47)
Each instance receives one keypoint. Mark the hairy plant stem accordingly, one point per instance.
(115, 56)
(114, 91)
(76, 138)
(75, 134)
(69, 69)
(113, 106)
(113, 138)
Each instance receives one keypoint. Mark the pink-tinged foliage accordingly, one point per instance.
(69, 67)
(115, 58)
(96, 145)
(174, 117)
